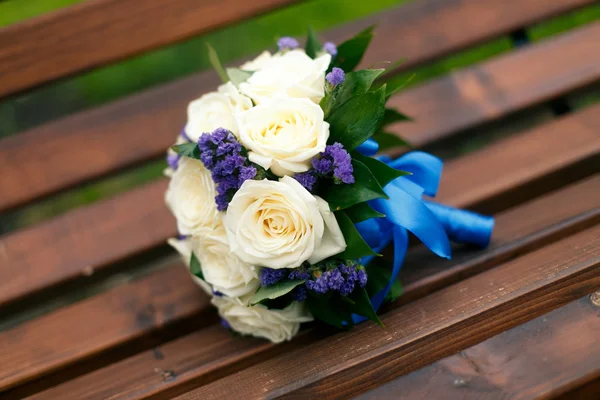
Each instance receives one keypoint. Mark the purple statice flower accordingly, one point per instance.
(299, 293)
(337, 160)
(217, 293)
(269, 276)
(173, 160)
(221, 153)
(318, 286)
(287, 42)
(362, 277)
(225, 324)
(347, 287)
(335, 77)
(340, 278)
(306, 179)
(299, 274)
(330, 48)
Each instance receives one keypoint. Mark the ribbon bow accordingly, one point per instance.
(406, 211)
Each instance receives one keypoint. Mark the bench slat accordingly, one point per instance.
(539, 359)
(490, 90)
(128, 313)
(426, 330)
(517, 231)
(141, 127)
(138, 220)
(58, 44)
(538, 158)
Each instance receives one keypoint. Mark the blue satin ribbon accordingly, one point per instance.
(406, 211)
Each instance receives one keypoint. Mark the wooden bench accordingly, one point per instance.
(519, 319)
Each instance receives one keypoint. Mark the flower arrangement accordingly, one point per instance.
(282, 205)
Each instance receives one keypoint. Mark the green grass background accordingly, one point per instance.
(24, 111)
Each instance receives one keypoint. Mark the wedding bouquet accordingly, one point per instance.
(280, 203)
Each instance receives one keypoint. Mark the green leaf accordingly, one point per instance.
(391, 116)
(216, 63)
(313, 46)
(362, 306)
(382, 172)
(330, 310)
(237, 76)
(395, 291)
(356, 247)
(352, 50)
(195, 267)
(274, 291)
(328, 101)
(361, 212)
(355, 83)
(358, 119)
(364, 188)
(378, 278)
(187, 150)
(389, 140)
(393, 88)
(394, 65)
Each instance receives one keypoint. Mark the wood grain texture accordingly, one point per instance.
(537, 360)
(141, 127)
(98, 32)
(426, 330)
(536, 158)
(75, 245)
(493, 89)
(120, 316)
(204, 356)
(510, 169)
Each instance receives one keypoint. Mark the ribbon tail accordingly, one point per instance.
(463, 226)
(426, 169)
(405, 210)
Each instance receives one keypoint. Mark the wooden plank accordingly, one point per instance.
(511, 166)
(99, 32)
(126, 315)
(537, 159)
(537, 360)
(207, 355)
(499, 87)
(77, 244)
(424, 331)
(141, 127)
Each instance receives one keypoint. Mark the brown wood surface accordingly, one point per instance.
(501, 86)
(540, 359)
(83, 241)
(206, 355)
(98, 32)
(121, 316)
(137, 221)
(141, 127)
(539, 158)
(426, 330)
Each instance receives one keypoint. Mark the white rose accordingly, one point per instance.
(284, 134)
(223, 269)
(215, 110)
(281, 225)
(191, 198)
(258, 63)
(292, 73)
(185, 247)
(274, 325)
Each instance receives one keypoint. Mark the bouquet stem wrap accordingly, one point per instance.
(406, 211)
